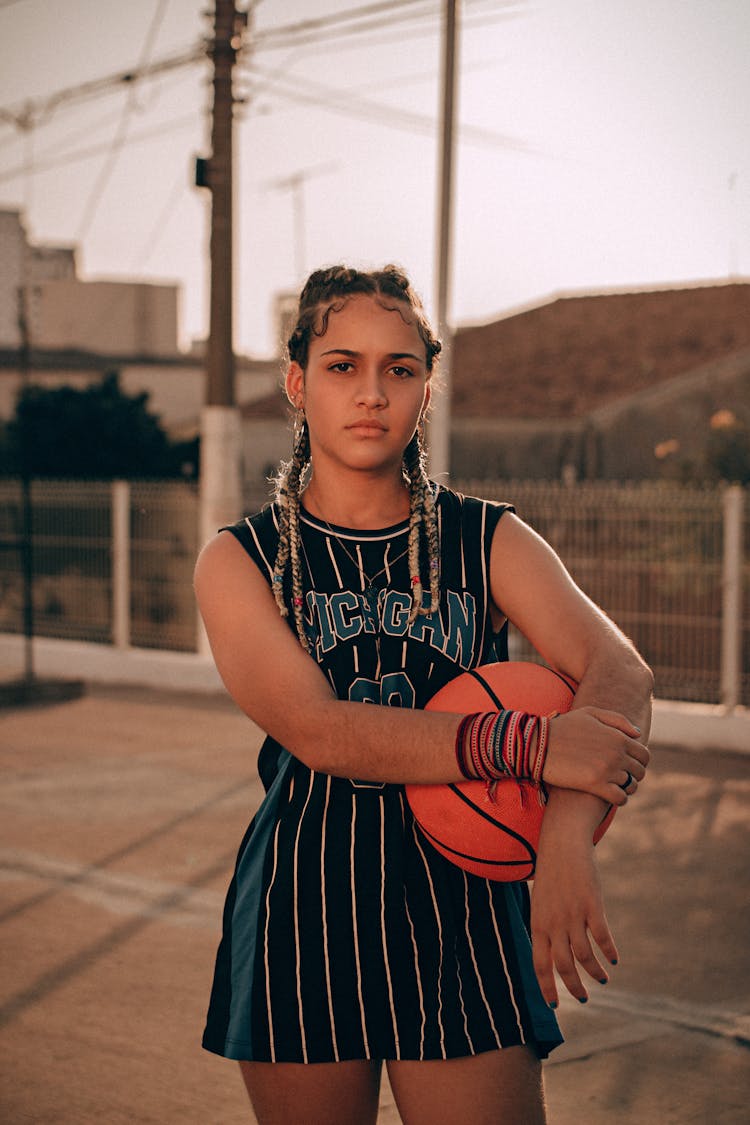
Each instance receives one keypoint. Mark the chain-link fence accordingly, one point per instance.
(652, 556)
(113, 564)
(81, 562)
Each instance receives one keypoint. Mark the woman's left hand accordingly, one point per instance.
(567, 910)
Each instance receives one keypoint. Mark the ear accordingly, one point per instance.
(426, 399)
(294, 384)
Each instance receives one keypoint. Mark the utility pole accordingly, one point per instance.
(439, 423)
(27, 511)
(296, 184)
(220, 479)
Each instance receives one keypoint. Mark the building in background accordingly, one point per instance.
(79, 331)
(620, 385)
(617, 386)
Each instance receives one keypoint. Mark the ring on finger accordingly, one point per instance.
(628, 781)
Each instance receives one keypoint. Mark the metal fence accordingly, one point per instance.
(669, 564)
(113, 564)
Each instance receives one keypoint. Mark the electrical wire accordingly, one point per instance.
(159, 228)
(167, 127)
(31, 113)
(96, 194)
(305, 92)
(471, 22)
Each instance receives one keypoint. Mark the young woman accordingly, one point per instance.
(334, 615)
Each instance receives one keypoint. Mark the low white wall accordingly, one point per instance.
(691, 726)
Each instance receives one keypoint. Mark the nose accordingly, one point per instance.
(371, 390)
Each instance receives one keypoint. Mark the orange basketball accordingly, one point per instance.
(493, 831)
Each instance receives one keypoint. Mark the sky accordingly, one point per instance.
(601, 144)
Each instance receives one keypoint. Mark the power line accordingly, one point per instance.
(90, 151)
(325, 23)
(97, 191)
(32, 112)
(159, 227)
(305, 92)
(342, 25)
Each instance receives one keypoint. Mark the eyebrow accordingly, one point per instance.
(355, 354)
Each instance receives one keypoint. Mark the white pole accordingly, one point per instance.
(220, 477)
(121, 564)
(731, 615)
(439, 424)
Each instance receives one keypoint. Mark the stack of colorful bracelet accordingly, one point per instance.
(491, 745)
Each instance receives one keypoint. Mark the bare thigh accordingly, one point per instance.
(344, 1093)
(495, 1088)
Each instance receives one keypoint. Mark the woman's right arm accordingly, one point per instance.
(285, 692)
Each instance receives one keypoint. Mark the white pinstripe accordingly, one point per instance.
(336, 570)
(356, 934)
(460, 979)
(417, 971)
(325, 922)
(297, 948)
(508, 977)
(383, 931)
(485, 582)
(266, 965)
(418, 843)
(477, 973)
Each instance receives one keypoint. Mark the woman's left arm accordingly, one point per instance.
(532, 588)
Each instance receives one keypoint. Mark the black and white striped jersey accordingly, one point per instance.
(345, 934)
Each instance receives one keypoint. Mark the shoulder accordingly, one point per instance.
(227, 552)
(458, 509)
(258, 535)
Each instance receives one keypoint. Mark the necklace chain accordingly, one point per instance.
(370, 591)
(361, 566)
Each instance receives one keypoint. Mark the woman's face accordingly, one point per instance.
(365, 385)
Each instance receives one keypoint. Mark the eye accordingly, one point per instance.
(341, 365)
(402, 372)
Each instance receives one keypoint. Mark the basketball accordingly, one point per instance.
(493, 830)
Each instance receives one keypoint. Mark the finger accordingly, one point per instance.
(633, 767)
(629, 783)
(545, 975)
(637, 752)
(587, 959)
(616, 720)
(564, 962)
(602, 935)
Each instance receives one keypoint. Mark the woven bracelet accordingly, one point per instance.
(491, 745)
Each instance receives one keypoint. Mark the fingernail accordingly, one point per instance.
(613, 961)
(553, 1004)
(583, 999)
(603, 980)
(636, 729)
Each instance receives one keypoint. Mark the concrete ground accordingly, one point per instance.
(120, 814)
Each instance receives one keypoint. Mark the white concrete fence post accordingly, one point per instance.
(733, 502)
(121, 564)
(221, 479)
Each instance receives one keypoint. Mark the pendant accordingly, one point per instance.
(371, 595)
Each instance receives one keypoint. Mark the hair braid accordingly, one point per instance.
(326, 291)
(422, 519)
(287, 497)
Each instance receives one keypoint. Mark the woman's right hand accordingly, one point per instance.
(594, 750)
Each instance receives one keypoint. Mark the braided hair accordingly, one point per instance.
(327, 291)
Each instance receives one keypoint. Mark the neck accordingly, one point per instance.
(363, 503)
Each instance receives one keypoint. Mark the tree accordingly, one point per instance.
(98, 432)
(728, 451)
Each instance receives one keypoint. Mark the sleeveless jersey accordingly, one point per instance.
(346, 935)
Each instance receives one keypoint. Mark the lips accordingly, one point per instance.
(367, 426)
